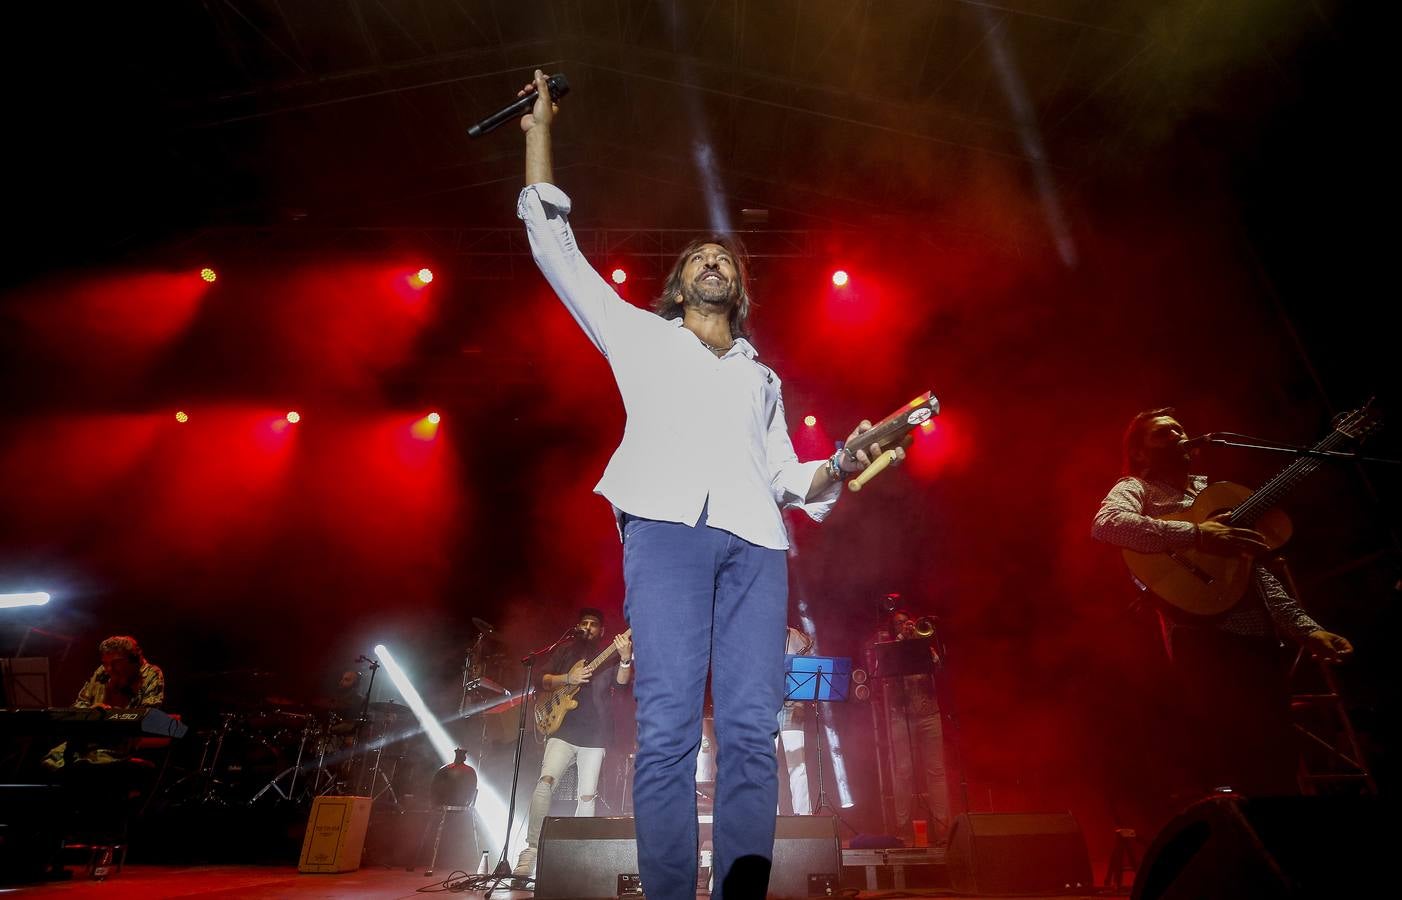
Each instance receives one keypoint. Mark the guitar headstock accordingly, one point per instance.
(1359, 423)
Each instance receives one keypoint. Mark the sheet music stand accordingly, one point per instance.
(818, 680)
(908, 657)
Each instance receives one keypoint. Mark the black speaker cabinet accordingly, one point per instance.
(1268, 848)
(1018, 853)
(31, 830)
(804, 846)
(583, 858)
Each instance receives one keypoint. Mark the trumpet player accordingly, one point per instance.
(915, 730)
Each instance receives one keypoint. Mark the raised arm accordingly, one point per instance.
(545, 210)
(537, 124)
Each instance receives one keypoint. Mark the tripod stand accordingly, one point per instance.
(819, 680)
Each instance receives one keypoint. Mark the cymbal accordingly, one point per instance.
(282, 701)
(388, 706)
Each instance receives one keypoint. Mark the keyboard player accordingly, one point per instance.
(124, 680)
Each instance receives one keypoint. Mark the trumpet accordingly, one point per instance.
(925, 626)
(921, 627)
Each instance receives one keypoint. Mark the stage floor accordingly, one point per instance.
(148, 882)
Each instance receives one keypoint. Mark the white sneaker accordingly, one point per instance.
(525, 866)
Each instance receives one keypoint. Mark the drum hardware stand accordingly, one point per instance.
(208, 762)
(290, 772)
(377, 774)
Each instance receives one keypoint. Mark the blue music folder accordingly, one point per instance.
(817, 677)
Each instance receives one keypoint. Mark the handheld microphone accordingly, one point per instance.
(559, 87)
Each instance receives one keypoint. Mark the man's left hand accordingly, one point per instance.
(1327, 646)
(851, 462)
(624, 643)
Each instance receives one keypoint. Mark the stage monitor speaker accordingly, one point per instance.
(1268, 848)
(31, 831)
(583, 858)
(1018, 853)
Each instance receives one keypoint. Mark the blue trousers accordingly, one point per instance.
(702, 599)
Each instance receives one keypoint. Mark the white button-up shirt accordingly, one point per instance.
(699, 429)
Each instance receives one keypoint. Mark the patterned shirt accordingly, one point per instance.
(1128, 518)
(151, 690)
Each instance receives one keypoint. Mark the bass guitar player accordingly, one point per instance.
(579, 680)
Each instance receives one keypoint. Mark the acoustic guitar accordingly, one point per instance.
(550, 712)
(1205, 584)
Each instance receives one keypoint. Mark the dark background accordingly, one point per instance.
(1054, 213)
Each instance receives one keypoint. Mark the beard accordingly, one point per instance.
(708, 295)
(1172, 460)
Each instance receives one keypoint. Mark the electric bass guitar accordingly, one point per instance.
(550, 710)
(1205, 584)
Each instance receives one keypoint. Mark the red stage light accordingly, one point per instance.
(434, 418)
(619, 276)
(839, 278)
(293, 417)
(182, 417)
(424, 275)
(810, 421)
(208, 274)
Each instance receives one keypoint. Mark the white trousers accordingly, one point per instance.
(558, 756)
(796, 763)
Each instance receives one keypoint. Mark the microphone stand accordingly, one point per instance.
(502, 872)
(1247, 442)
(363, 722)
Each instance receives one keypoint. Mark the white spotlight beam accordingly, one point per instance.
(491, 808)
(839, 765)
(32, 598)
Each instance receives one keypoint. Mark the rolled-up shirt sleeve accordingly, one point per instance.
(1288, 616)
(1121, 521)
(544, 208)
(789, 479)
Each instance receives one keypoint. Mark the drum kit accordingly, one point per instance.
(280, 750)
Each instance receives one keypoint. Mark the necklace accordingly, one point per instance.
(718, 351)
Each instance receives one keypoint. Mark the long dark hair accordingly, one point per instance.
(666, 304)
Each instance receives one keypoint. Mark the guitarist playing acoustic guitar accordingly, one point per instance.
(579, 679)
(1228, 667)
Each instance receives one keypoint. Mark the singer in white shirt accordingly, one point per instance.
(696, 485)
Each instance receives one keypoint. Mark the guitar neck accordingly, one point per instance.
(1275, 490)
(608, 651)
